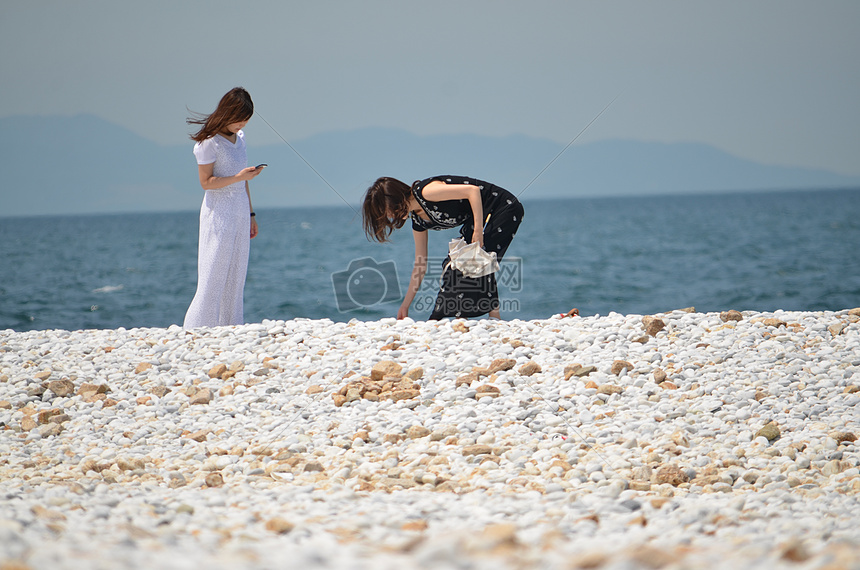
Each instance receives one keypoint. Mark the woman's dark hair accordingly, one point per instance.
(386, 204)
(236, 106)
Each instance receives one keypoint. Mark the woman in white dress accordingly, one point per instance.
(227, 222)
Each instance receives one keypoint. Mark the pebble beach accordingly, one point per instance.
(673, 440)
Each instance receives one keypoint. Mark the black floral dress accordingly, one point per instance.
(461, 296)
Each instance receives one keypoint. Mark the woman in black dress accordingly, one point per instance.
(443, 202)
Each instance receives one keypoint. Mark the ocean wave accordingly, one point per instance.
(109, 289)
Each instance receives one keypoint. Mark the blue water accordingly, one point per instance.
(761, 251)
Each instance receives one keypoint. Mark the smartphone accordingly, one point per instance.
(261, 165)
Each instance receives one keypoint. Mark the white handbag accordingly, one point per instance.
(471, 259)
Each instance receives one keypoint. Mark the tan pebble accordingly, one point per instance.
(659, 375)
(199, 436)
(851, 389)
(5, 405)
(49, 430)
(502, 364)
(658, 502)
(481, 371)
(45, 415)
(460, 326)
(214, 480)
(653, 325)
(465, 379)
(385, 368)
(160, 391)
(837, 328)
(217, 370)
(479, 449)
(795, 552)
(776, 323)
(43, 375)
(668, 385)
(415, 432)
(570, 370)
(620, 366)
(132, 464)
(609, 389)
(680, 438)
(62, 388)
(585, 371)
(591, 384)
(339, 400)
(47, 514)
(398, 395)
(731, 315)
(487, 390)
(500, 533)
(353, 394)
(670, 474)
(642, 473)
(529, 368)
(362, 435)
(639, 485)
(279, 525)
(647, 556)
(769, 431)
(591, 560)
(443, 433)
(88, 388)
(833, 467)
(202, 396)
(844, 436)
(226, 390)
(415, 374)
(415, 526)
(142, 367)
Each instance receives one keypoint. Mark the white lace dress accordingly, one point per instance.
(225, 236)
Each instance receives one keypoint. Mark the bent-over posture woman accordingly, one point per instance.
(443, 202)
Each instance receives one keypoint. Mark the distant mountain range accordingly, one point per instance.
(83, 164)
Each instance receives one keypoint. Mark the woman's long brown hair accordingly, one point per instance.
(236, 106)
(385, 206)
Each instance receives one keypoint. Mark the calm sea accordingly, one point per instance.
(755, 251)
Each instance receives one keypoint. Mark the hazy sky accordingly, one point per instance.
(773, 81)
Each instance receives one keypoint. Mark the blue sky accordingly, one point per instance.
(771, 81)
